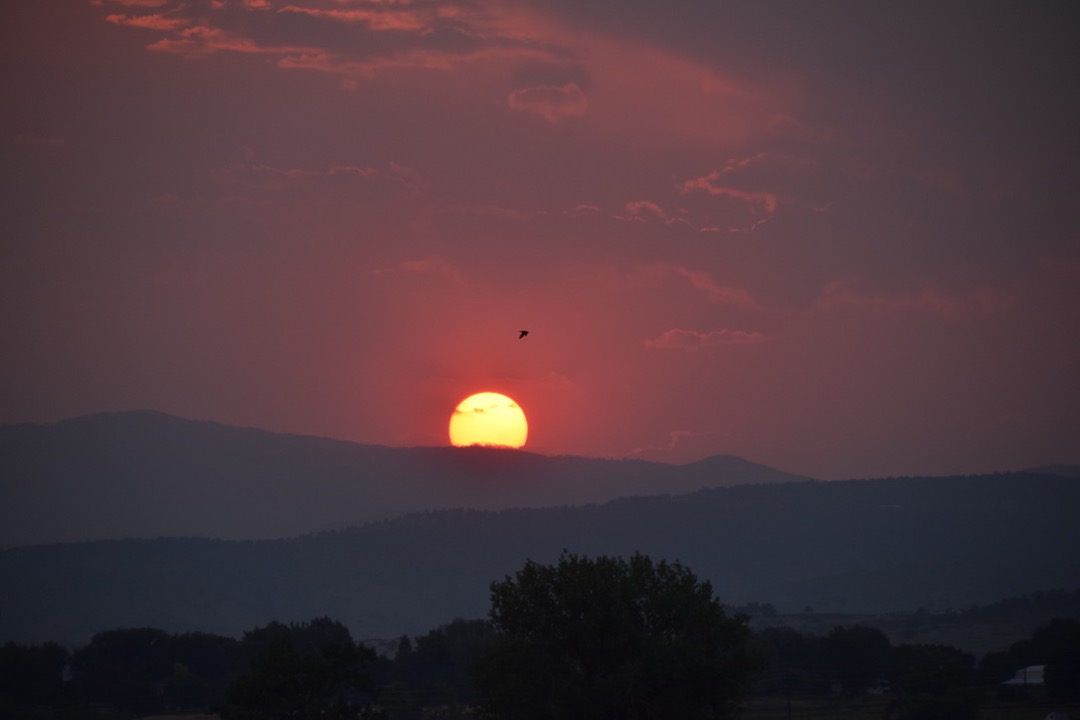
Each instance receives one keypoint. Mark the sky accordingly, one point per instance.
(840, 238)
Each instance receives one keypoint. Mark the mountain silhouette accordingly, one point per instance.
(147, 474)
(866, 546)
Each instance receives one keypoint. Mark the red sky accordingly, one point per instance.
(838, 238)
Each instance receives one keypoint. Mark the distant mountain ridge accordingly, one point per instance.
(1072, 471)
(147, 474)
(867, 546)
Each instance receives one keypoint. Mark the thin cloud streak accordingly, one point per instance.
(692, 340)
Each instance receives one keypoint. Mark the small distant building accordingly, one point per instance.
(1030, 675)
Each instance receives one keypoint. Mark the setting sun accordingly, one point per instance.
(488, 418)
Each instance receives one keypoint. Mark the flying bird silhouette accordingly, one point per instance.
(522, 333)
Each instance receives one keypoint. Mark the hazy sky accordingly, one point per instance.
(839, 238)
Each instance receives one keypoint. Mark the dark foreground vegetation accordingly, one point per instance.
(582, 638)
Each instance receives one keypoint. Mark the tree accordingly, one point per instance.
(857, 656)
(30, 676)
(144, 670)
(437, 673)
(300, 671)
(1056, 645)
(203, 667)
(611, 638)
(123, 668)
(931, 682)
(441, 667)
(792, 663)
(1059, 643)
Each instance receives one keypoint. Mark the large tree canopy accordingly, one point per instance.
(611, 638)
(301, 671)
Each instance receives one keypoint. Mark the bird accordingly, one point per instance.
(522, 333)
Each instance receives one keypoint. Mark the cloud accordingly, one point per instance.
(352, 172)
(202, 40)
(749, 228)
(837, 294)
(692, 340)
(409, 177)
(582, 209)
(405, 57)
(148, 22)
(717, 293)
(625, 88)
(431, 265)
(381, 19)
(708, 183)
(550, 102)
(642, 207)
(487, 210)
(267, 176)
(131, 3)
(650, 275)
(241, 184)
(682, 445)
(640, 210)
(361, 40)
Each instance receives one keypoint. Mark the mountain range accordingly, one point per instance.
(146, 474)
(190, 500)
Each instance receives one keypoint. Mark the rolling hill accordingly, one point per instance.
(146, 474)
(867, 546)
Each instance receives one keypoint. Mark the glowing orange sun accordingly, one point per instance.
(488, 418)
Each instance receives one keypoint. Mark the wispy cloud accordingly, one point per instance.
(269, 178)
(642, 209)
(487, 210)
(363, 39)
(148, 22)
(710, 184)
(132, 3)
(430, 266)
(677, 440)
(651, 275)
(837, 294)
(553, 103)
(693, 340)
(203, 40)
(582, 209)
(374, 18)
(716, 292)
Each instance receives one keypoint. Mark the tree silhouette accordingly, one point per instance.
(31, 676)
(932, 681)
(300, 671)
(611, 638)
(1056, 645)
(857, 656)
(123, 668)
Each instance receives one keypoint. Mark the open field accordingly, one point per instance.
(835, 708)
(867, 707)
(874, 707)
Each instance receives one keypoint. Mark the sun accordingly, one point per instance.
(488, 418)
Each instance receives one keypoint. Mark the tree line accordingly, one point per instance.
(602, 637)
